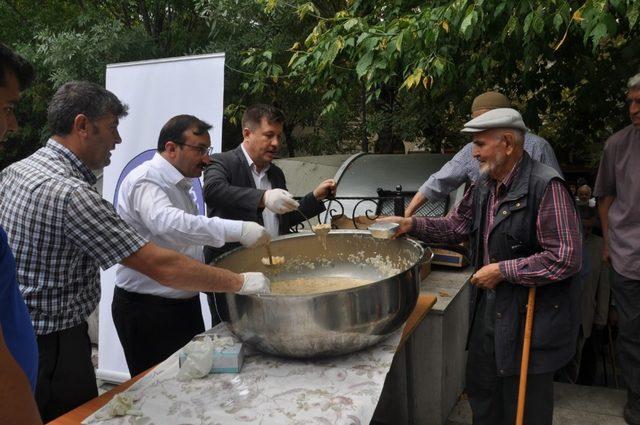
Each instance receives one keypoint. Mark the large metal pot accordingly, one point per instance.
(334, 322)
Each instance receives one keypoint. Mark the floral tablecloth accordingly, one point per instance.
(269, 390)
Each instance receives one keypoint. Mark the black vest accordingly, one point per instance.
(513, 235)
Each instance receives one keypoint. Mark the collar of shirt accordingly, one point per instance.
(252, 164)
(501, 187)
(170, 174)
(64, 152)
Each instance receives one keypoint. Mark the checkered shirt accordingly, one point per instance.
(61, 232)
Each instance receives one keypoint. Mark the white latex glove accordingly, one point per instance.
(253, 235)
(280, 201)
(255, 283)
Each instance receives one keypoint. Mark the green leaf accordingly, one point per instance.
(527, 22)
(499, 10)
(364, 63)
(438, 65)
(267, 54)
(398, 42)
(598, 33)
(468, 20)
(510, 27)
(538, 23)
(610, 22)
(633, 14)
(350, 24)
(305, 9)
(557, 21)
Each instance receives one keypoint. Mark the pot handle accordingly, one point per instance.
(451, 247)
(428, 252)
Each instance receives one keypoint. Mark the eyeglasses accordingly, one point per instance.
(201, 149)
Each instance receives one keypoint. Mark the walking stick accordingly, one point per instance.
(526, 346)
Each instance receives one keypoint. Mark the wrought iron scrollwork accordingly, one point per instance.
(386, 203)
(369, 214)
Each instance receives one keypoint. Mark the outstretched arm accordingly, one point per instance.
(17, 405)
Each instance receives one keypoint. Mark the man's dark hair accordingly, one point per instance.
(81, 97)
(253, 115)
(12, 62)
(173, 130)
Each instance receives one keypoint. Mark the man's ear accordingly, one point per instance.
(246, 132)
(510, 142)
(81, 124)
(170, 146)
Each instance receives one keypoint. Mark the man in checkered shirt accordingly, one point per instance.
(62, 232)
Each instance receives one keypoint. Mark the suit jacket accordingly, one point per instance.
(230, 192)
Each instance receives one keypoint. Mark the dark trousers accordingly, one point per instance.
(152, 328)
(494, 400)
(66, 378)
(626, 293)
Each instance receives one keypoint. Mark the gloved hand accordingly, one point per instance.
(255, 283)
(253, 235)
(280, 201)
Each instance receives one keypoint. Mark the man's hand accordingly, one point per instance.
(406, 224)
(487, 277)
(325, 189)
(280, 201)
(606, 256)
(255, 283)
(253, 235)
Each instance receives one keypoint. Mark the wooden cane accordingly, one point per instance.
(524, 365)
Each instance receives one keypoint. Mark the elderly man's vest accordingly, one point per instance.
(513, 235)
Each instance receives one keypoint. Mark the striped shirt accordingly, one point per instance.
(61, 232)
(557, 230)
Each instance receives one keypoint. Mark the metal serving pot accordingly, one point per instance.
(330, 323)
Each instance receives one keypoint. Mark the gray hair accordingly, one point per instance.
(634, 82)
(518, 134)
(81, 97)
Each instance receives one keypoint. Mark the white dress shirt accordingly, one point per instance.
(261, 180)
(159, 202)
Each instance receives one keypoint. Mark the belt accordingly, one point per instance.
(152, 299)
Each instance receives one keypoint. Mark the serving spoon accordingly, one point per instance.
(318, 229)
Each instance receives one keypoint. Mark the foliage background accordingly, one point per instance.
(346, 70)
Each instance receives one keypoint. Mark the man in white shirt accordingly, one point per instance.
(158, 200)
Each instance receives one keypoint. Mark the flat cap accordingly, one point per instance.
(495, 118)
(490, 100)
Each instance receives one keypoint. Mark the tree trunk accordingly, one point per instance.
(387, 141)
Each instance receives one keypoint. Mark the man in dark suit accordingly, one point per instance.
(244, 184)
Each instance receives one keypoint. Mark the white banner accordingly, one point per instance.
(155, 91)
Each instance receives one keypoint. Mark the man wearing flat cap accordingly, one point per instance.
(462, 168)
(524, 232)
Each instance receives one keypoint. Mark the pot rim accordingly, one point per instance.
(425, 256)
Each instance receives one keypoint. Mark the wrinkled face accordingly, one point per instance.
(633, 100)
(9, 96)
(103, 137)
(191, 156)
(490, 150)
(263, 143)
